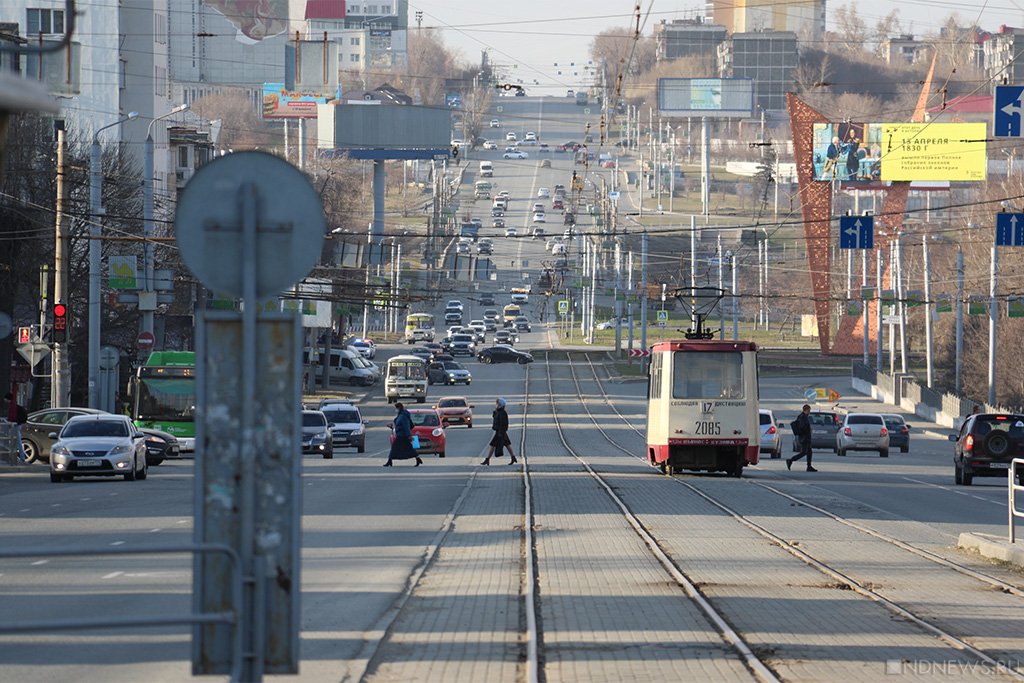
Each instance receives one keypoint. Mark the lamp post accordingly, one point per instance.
(95, 252)
(147, 217)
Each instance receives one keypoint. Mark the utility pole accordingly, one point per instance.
(705, 168)
(618, 301)
(643, 286)
(928, 308)
(721, 287)
(864, 303)
(993, 313)
(60, 391)
(959, 317)
(735, 301)
(902, 303)
(878, 309)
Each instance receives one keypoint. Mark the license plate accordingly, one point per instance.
(89, 463)
(999, 465)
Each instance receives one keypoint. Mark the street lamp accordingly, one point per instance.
(147, 216)
(95, 211)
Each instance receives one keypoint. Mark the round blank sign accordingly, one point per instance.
(288, 214)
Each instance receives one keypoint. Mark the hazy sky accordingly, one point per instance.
(535, 34)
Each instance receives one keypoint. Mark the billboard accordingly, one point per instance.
(383, 126)
(711, 97)
(884, 152)
(281, 103)
(255, 20)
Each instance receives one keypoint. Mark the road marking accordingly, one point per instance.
(24, 509)
(40, 562)
(55, 505)
(153, 531)
(84, 499)
(952, 490)
(117, 543)
(113, 575)
(182, 521)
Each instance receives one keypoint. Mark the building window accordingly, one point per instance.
(183, 156)
(44, 21)
(159, 81)
(385, 9)
(122, 74)
(371, 9)
(160, 29)
(353, 41)
(353, 58)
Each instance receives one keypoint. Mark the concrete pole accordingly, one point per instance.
(959, 318)
(693, 263)
(760, 285)
(95, 211)
(878, 308)
(721, 287)
(398, 289)
(765, 291)
(892, 286)
(864, 304)
(735, 301)
(928, 308)
(705, 168)
(672, 173)
(618, 301)
(643, 296)
(902, 292)
(379, 182)
(60, 385)
(993, 314)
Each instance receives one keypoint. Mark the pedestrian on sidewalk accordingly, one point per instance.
(17, 416)
(402, 448)
(802, 433)
(500, 440)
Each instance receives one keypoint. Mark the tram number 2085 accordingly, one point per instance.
(709, 428)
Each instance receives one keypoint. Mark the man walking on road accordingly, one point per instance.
(802, 433)
(17, 416)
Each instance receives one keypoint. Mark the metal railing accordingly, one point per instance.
(1015, 485)
(230, 617)
(9, 443)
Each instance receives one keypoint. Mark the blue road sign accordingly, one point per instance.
(1010, 229)
(857, 232)
(810, 394)
(1008, 111)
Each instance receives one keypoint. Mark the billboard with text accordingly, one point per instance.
(865, 152)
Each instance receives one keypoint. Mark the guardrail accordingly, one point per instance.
(231, 618)
(1012, 489)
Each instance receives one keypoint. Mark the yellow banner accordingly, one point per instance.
(933, 151)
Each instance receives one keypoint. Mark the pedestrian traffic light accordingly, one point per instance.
(24, 335)
(60, 323)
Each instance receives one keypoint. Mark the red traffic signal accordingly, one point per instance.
(60, 323)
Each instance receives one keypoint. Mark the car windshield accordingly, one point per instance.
(405, 370)
(424, 419)
(94, 428)
(893, 421)
(452, 403)
(313, 420)
(462, 338)
(714, 374)
(1006, 423)
(341, 416)
(863, 419)
(453, 366)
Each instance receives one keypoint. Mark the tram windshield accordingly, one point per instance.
(717, 374)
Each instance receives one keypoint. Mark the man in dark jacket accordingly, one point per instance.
(17, 416)
(500, 440)
(802, 433)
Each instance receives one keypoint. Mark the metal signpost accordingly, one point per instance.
(239, 237)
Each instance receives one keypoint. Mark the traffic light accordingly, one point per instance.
(60, 323)
(24, 335)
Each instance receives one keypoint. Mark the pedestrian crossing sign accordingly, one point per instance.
(563, 306)
(662, 316)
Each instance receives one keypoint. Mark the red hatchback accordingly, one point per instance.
(426, 424)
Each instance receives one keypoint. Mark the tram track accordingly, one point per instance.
(863, 588)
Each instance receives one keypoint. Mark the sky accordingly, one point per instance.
(534, 35)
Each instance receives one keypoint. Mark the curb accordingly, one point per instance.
(993, 547)
(14, 469)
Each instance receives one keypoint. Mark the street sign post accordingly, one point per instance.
(1010, 229)
(857, 232)
(241, 239)
(34, 352)
(1008, 111)
(662, 318)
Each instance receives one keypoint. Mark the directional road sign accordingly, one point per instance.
(857, 232)
(34, 352)
(641, 353)
(614, 196)
(1008, 111)
(1010, 229)
(811, 394)
(662, 318)
(563, 306)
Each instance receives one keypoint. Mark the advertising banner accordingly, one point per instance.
(884, 152)
(123, 272)
(281, 103)
(711, 97)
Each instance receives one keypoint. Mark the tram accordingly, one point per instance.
(702, 410)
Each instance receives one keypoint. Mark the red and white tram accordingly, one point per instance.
(702, 411)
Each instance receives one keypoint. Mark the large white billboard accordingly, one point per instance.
(711, 97)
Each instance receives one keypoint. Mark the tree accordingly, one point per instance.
(241, 126)
(851, 31)
(620, 51)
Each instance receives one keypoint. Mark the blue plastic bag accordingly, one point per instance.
(416, 441)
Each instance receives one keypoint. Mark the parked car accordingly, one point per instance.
(824, 426)
(98, 444)
(986, 445)
(455, 410)
(504, 354)
(448, 372)
(610, 324)
(316, 434)
(426, 424)
(35, 434)
(160, 446)
(899, 431)
(347, 427)
(863, 432)
(771, 435)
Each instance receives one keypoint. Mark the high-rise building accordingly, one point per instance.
(803, 17)
(1000, 56)
(766, 57)
(687, 37)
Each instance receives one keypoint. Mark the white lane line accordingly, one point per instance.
(182, 521)
(959, 493)
(25, 510)
(85, 499)
(113, 575)
(153, 531)
(55, 505)
(117, 543)
(40, 562)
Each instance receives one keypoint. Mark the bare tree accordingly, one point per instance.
(241, 126)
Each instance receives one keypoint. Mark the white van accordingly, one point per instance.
(405, 377)
(345, 366)
(486, 169)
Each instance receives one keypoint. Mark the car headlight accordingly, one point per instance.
(451, 375)
(357, 431)
(319, 438)
(437, 432)
(60, 450)
(121, 449)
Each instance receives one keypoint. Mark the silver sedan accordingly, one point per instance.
(863, 432)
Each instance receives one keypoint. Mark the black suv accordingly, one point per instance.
(486, 299)
(985, 446)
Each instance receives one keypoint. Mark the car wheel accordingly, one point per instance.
(430, 382)
(841, 452)
(997, 444)
(362, 448)
(884, 453)
(31, 450)
(329, 455)
(966, 478)
(130, 476)
(958, 474)
(486, 360)
(441, 454)
(777, 453)
(141, 476)
(469, 424)
(154, 462)
(421, 399)
(523, 361)
(56, 478)
(904, 449)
